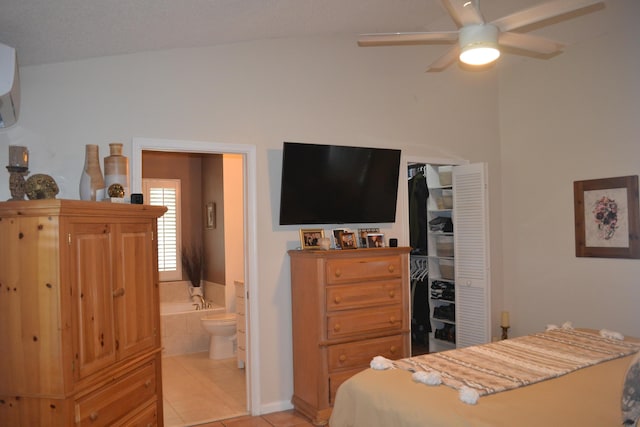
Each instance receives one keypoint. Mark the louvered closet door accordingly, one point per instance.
(471, 237)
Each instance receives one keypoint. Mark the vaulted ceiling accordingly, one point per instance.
(46, 31)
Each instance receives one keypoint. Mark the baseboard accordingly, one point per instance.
(283, 405)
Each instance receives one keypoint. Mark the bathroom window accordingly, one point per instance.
(166, 192)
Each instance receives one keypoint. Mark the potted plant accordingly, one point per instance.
(193, 265)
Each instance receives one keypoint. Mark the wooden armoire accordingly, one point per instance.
(79, 314)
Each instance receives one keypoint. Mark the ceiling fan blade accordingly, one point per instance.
(445, 60)
(464, 12)
(542, 12)
(389, 39)
(530, 43)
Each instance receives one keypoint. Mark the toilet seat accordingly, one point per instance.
(221, 318)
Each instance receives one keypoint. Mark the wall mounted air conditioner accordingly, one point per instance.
(9, 86)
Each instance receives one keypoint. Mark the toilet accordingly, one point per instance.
(222, 330)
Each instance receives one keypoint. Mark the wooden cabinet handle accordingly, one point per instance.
(93, 416)
(392, 294)
(118, 292)
(336, 327)
(337, 299)
(392, 319)
(393, 349)
(391, 268)
(147, 383)
(343, 357)
(338, 273)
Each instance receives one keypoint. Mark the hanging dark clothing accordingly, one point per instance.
(418, 194)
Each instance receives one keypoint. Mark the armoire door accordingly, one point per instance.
(135, 304)
(91, 273)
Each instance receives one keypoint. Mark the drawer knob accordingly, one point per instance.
(336, 327)
(93, 416)
(147, 383)
(391, 268)
(118, 292)
(343, 357)
(337, 299)
(392, 319)
(392, 294)
(393, 349)
(338, 272)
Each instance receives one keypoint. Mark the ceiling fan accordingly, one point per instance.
(479, 41)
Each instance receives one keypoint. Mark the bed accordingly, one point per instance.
(587, 396)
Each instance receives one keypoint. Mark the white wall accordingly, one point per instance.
(233, 226)
(260, 93)
(573, 118)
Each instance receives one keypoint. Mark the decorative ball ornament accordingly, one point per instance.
(116, 190)
(41, 186)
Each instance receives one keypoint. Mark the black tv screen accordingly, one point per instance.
(331, 184)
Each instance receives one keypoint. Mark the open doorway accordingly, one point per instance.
(247, 155)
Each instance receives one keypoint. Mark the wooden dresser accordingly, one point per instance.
(347, 307)
(79, 314)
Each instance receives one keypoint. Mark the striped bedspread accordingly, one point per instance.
(505, 365)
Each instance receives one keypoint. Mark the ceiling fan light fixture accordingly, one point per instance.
(479, 44)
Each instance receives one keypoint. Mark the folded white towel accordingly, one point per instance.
(381, 363)
(469, 395)
(428, 378)
(605, 333)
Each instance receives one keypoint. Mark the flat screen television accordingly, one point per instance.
(331, 184)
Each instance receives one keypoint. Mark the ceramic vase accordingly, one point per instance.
(116, 172)
(91, 182)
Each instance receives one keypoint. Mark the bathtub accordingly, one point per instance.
(181, 331)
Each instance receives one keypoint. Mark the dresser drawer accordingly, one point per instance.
(359, 269)
(336, 379)
(359, 353)
(360, 295)
(354, 322)
(148, 417)
(116, 400)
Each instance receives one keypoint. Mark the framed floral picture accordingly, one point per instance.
(607, 219)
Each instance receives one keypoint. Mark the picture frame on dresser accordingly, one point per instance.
(348, 240)
(336, 232)
(310, 237)
(375, 240)
(607, 217)
(362, 234)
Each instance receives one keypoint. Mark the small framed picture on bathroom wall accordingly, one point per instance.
(210, 215)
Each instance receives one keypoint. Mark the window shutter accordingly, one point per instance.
(166, 192)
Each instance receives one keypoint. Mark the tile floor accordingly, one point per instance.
(197, 389)
(276, 419)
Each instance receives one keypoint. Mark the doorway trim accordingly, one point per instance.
(251, 247)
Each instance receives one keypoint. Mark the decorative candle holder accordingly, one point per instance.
(17, 181)
(504, 332)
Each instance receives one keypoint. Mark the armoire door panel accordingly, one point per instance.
(92, 271)
(139, 328)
